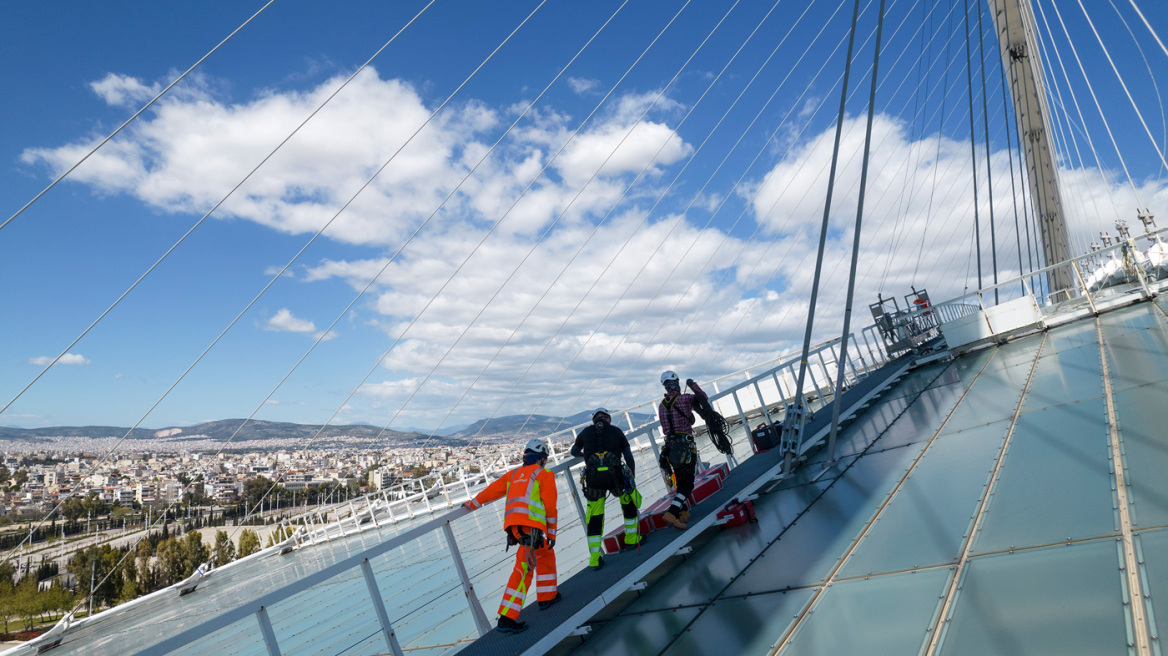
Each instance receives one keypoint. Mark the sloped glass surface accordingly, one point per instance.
(1054, 483)
(926, 522)
(884, 615)
(1016, 353)
(993, 396)
(239, 638)
(1054, 600)
(1064, 377)
(1143, 420)
(742, 625)
(809, 549)
(1137, 346)
(1070, 337)
(710, 569)
(648, 633)
(1154, 546)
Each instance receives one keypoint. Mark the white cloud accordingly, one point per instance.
(582, 86)
(68, 358)
(123, 90)
(283, 321)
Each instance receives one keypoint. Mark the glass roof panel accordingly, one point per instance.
(1064, 599)
(742, 625)
(933, 505)
(1143, 416)
(637, 635)
(994, 395)
(810, 548)
(881, 615)
(1055, 481)
(708, 571)
(1064, 377)
(1154, 547)
(1137, 346)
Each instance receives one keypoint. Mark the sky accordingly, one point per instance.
(422, 214)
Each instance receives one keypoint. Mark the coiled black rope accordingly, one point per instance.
(715, 424)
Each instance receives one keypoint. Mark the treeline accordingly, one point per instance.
(117, 575)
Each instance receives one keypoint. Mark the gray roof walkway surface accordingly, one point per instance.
(1012, 445)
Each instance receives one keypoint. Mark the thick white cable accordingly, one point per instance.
(369, 181)
(666, 320)
(202, 219)
(1149, 26)
(594, 332)
(1123, 84)
(628, 188)
(322, 336)
(548, 231)
(1064, 130)
(1151, 76)
(135, 115)
(1098, 107)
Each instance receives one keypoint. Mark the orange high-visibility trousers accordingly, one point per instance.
(538, 562)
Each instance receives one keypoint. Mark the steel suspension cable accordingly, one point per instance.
(985, 114)
(324, 334)
(855, 242)
(1151, 76)
(826, 219)
(592, 333)
(220, 336)
(644, 220)
(202, 219)
(973, 146)
(1013, 188)
(548, 231)
(496, 224)
(1149, 26)
(136, 114)
(1095, 99)
(1123, 84)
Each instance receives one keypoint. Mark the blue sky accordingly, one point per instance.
(700, 265)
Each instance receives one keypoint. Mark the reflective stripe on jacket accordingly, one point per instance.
(531, 498)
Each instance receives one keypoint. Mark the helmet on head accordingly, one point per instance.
(668, 376)
(601, 414)
(536, 446)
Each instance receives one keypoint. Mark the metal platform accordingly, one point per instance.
(587, 593)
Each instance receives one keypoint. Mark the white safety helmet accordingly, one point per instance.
(537, 446)
(669, 375)
(601, 411)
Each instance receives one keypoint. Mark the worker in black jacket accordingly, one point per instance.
(603, 446)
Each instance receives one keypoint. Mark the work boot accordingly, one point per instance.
(598, 564)
(683, 516)
(674, 520)
(632, 541)
(544, 605)
(508, 625)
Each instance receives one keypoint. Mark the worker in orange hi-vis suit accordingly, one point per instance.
(530, 522)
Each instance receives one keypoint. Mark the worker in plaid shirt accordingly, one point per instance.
(679, 457)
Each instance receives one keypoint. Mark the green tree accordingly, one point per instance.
(278, 535)
(224, 549)
(170, 562)
(249, 542)
(195, 553)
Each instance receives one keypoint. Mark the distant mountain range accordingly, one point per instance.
(512, 428)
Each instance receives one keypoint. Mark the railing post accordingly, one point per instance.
(426, 497)
(268, 633)
(576, 497)
(476, 609)
(1086, 292)
(379, 607)
(445, 492)
(653, 442)
(782, 397)
(738, 404)
(766, 413)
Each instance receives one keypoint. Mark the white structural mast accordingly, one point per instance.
(1018, 46)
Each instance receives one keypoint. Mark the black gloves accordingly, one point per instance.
(689, 382)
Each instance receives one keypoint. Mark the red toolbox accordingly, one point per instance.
(704, 488)
(737, 514)
(721, 471)
(614, 540)
(651, 517)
